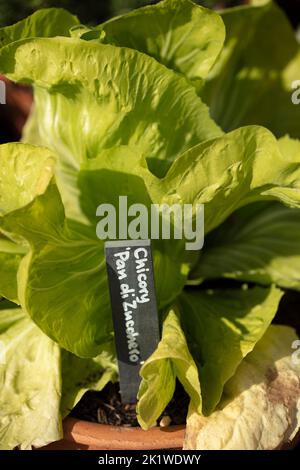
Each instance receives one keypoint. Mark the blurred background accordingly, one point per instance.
(91, 12)
(95, 11)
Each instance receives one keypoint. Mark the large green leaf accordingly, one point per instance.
(62, 280)
(30, 382)
(48, 22)
(48, 290)
(171, 360)
(39, 382)
(90, 97)
(251, 82)
(25, 171)
(178, 33)
(222, 327)
(260, 406)
(67, 257)
(258, 243)
(229, 172)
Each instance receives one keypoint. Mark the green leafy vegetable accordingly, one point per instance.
(28, 175)
(30, 382)
(181, 35)
(232, 171)
(28, 170)
(117, 112)
(251, 82)
(67, 257)
(260, 406)
(171, 360)
(48, 22)
(258, 243)
(222, 327)
(39, 382)
(100, 93)
(255, 243)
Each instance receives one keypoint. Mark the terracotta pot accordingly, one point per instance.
(82, 435)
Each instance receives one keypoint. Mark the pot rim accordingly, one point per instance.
(84, 435)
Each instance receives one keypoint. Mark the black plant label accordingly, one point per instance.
(134, 309)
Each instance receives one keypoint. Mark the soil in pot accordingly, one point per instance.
(106, 407)
(101, 422)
